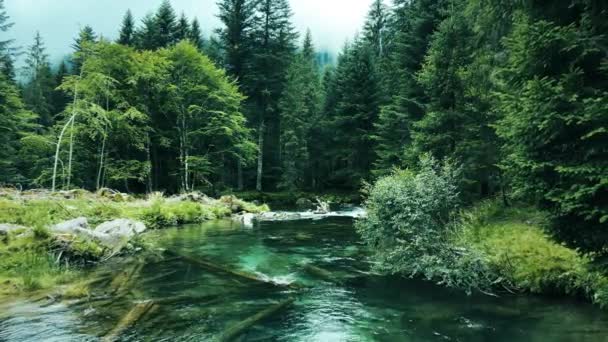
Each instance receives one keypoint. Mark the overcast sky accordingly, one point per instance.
(331, 21)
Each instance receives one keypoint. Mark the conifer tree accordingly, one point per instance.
(146, 37)
(357, 105)
(274, 37)
(182, 29)
(38, 88)
(414, 24)
(7, 51)
(166, 22)
(81, 45)
(236, 35)
(299, 109)
(127, 30)
(195, 35)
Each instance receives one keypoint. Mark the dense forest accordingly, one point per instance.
(515, 93)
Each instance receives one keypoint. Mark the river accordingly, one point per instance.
(337, 298)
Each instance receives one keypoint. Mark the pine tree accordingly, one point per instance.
(357, 104)
(15, 121)
(183, 30)
(195, 35)
(38, 88)
(236, 35)
(81, 46)
(127, 30)
(166, 22)
(146, 37)
(375, 30)
(274, 37)
(299, 109)
(554, 101)
(7, 51)
(414, 24)
(59, 98)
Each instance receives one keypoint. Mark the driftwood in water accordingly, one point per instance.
(123, 281)
(130, 319)
(160, 276)
(322, 273)
(186, 298)
(238, 329)
(225, 270)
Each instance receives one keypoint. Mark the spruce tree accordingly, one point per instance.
(357, 105)
(7, 51)
(15, 121)
(38, 88)
(299, 109)
(146, 37)
(195, 35)
(127, 30)
(375, 30)
(166, 22)
(414, 24)
(274, 37)
(554, 101)
(182, 29)
(237, 16)
(81, 46)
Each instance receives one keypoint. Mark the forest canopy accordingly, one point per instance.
(515, 93)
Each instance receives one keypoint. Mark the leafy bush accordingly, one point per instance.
(409, 224)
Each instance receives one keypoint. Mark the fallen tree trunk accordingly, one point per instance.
(238, 329)
(322, 273)
(185, 298)
(222, 269)
(130, 319)
(124, 280)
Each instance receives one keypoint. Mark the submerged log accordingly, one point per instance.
(123, 281)
(185, 298)
(322, 273)
(238, 329)
(130, 319)
(225, 270)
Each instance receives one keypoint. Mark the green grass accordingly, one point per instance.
(26, 265)
(517, 248)
(29, 263)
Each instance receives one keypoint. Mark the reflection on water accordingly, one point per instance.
(337, 298)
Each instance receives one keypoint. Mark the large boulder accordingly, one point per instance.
(121, 227)
(112, 235)
(70, 226)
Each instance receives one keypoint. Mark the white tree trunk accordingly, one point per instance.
(70, 122)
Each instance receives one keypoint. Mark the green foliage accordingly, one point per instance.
(409, 227)
(554, 100)
(300, 111)
(516, 248)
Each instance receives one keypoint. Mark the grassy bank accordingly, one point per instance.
(513, 242)
(31, 258)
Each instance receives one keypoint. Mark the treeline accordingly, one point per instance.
(515, 92)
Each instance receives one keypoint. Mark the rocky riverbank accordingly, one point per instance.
(48, 238)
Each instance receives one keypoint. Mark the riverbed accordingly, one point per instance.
(322, 266)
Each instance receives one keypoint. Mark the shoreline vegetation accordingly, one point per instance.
(37, 253)
(417, 226)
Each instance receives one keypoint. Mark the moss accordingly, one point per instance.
(516, 246)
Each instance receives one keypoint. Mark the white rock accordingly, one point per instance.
(121, 227)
